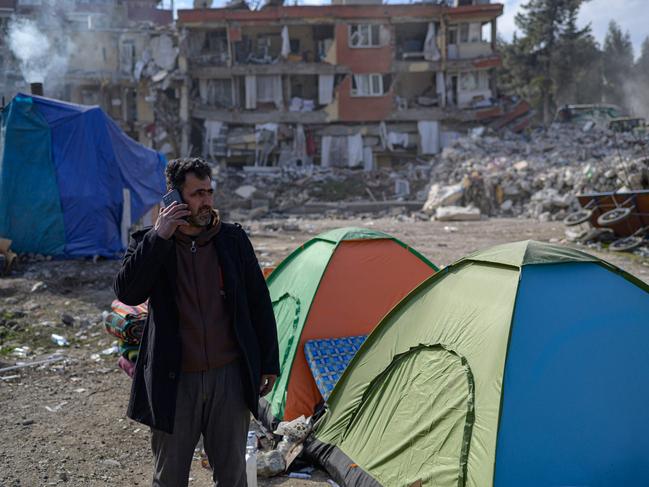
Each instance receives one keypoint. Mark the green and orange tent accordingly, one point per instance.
(338, 284)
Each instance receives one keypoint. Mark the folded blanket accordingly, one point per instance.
(129, 330)
(128, 351)
(138, 312)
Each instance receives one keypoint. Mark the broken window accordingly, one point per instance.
(474, 81)
(470, 32)
(367, 85)
(364, 35)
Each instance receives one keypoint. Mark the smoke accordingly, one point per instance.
(41, 49)
(636, 97)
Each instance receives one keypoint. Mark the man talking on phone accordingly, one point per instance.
(209, 349)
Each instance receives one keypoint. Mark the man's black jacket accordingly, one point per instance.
(149, 272)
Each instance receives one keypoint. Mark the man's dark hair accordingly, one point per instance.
(178, 169)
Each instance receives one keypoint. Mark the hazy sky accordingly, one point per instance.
(632, 15)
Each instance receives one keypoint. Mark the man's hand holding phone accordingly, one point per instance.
(170, 218)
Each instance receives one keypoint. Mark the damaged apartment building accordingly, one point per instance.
(121, 55)
(346, 84)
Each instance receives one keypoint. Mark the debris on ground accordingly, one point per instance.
(537, 174)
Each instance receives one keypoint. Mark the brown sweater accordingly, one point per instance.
(206, 332)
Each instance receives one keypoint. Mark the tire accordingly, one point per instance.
(577, 217)
(614, 216)
(625, 244)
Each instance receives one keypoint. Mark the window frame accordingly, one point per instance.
(371, 77)
(369, 28)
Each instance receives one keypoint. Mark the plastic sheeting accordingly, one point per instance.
(94, 161)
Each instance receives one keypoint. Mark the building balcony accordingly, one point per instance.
(279, 68)
(237, 116)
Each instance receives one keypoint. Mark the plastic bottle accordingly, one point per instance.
(251, 459)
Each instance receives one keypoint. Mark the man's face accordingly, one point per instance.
(198, 194)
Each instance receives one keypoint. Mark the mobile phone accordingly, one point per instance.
(171, 196)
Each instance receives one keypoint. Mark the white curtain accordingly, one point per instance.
(441, 88)
(428, 136)
(251, 92)
(431, 53)
(299, 143)
(354, 150)
(368, 159)
(286, 43)
(325, 151)
(212, 131)
(325, 89)
(269, 90)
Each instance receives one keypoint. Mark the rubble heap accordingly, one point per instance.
(539, 174)
(254, 192)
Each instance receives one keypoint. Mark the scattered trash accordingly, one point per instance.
(111, 351)
(39, 286)
(299, 475)
(251, 459)
(9, 377)
(270, 463)
(54, 358)
(59, 340)
(56, 408)
(456, 214)
(21, 352)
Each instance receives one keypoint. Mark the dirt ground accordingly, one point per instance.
(64, 423)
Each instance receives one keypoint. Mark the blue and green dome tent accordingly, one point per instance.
(63, 171)
(522, 365)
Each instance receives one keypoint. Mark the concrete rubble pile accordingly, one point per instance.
(536, 175)
(253, 192)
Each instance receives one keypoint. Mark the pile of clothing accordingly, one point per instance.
(126, 323)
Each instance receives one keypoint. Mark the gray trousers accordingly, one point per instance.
(210, 403)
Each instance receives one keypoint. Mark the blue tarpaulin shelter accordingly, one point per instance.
(63, 172)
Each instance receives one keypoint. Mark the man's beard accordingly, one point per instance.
(202, 219)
